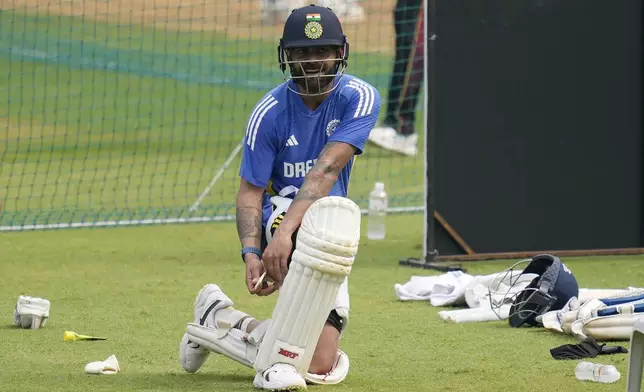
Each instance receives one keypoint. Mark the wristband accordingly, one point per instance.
(250, 249)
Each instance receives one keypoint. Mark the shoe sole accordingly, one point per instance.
(389, 148)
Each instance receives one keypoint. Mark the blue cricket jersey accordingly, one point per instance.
(284, 136)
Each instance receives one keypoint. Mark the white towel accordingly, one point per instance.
(439, 290)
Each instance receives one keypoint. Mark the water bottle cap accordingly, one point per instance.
(380, 186)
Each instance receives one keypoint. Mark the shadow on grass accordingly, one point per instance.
(9, 326)
(173, 381)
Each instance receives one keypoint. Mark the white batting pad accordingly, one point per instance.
(337, 374)
(327, 242)
(608, 328)
(31, 312)
(233, 343)
(586, 294)
(561, 320)
(242, 348)
(475, 315)
(609, 323)
(590, 302)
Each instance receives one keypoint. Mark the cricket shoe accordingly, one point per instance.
(388, 138)
(209, 300)
(279, 377)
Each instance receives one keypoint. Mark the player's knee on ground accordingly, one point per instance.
(326, 350)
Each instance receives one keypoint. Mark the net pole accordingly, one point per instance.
(430, 259)
(430, 252)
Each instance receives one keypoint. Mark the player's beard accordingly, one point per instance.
(313, 78)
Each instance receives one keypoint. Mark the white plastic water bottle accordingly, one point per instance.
(377, 212)
(597, 372)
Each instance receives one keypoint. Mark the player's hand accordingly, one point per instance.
(276, 256)
(254, 271)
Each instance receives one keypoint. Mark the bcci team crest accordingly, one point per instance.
(330, 128)
(313, 28)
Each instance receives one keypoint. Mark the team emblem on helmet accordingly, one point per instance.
(313, 30)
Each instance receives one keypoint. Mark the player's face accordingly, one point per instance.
(312, 68)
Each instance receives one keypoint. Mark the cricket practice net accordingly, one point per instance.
(133, 112)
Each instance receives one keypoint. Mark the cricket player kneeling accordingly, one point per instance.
(31, 312)
(281, 349)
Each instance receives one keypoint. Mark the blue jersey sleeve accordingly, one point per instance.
(260, 147)
(360, 116)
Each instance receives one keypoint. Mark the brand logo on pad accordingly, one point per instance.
(288, 354)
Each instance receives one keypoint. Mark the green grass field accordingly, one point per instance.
(136, 287)
(104, 121)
